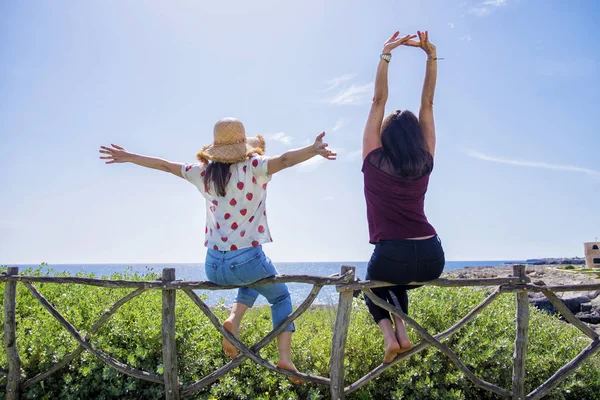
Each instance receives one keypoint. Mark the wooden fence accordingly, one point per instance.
(346, 283)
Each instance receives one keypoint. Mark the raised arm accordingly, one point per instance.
(372, 133)
(117, 154)
(293, 157)
(426, 110)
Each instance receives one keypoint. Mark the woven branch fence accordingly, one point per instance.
(346, 283)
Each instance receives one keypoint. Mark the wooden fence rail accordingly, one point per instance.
(346, 283)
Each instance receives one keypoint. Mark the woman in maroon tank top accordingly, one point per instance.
(397, 161)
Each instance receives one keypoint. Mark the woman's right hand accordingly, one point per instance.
(116, 154)
(394, 42)
(423, 43)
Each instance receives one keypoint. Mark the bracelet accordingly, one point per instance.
(386, 57)
(434, 59)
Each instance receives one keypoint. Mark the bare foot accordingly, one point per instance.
(402, 335)
(405, 345)
(290, 367)
(391, 351)
(229, 348)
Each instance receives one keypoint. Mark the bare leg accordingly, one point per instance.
(401, 334)
(232, 324)
(392, 347)
(284, 345)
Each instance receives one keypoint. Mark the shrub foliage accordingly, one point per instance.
(133, 336)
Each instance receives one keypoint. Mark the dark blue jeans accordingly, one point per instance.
(402, 262)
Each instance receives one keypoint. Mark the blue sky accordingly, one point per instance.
(517, 170)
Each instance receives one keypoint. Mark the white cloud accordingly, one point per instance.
(532, 164)
(354, 155)
(467, 38)
(311, 164)
(495, 3)
(486, 7)
(337, 81)
(338, 125)
(568, 68)
(480, 11)
(451, 25)
(327, 198)
(355, 94)
(280, 137)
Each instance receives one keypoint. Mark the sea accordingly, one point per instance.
(195, 272)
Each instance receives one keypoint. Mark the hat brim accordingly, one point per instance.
(232, 153)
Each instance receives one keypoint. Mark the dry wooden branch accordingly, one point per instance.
(565, 371)
(169, 348)
(344, 284)
(71, 356)
(555, 288)
(442, 347)
(207, 380)
(10, 337)
(338, 342)
(291, 318)
(520, 352)
(438, 282)
(569, 316)
(113, 362)
(195, 285)
(422, 346)
(245, 350)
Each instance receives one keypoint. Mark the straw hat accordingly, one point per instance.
(230, 143)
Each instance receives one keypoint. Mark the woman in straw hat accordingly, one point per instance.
(232, 175)
(397, 161)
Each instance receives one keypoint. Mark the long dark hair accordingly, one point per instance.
(218, 174)
(404, 145)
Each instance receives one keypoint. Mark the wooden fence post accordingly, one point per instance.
(170, 370)
(13, 382)
(521, 338)
(338, 343)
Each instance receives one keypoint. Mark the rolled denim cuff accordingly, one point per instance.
(245, 299)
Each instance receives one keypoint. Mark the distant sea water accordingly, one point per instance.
(195, 272)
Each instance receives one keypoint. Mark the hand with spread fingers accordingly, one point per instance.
(321, 149)
(116, 154)
(423, 43)
(395, 41)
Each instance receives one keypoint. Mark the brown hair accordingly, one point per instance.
(218, 173)
(404, 145)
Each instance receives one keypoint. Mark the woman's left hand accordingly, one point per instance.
(394, 42)
(321, 149)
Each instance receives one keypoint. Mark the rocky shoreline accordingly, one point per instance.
(585, 305)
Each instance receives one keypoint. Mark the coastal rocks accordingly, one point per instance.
(556, 261)
(585, 305)
(590, 317)
(539, 301)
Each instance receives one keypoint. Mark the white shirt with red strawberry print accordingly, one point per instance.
(238, 220)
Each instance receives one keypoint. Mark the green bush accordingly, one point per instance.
(133, 336)
(569, 267)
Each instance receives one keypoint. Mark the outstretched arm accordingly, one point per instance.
(372, 133)
(426, 110)
(117, 154)
(293, 157)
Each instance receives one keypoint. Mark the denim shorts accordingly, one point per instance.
(246, 266)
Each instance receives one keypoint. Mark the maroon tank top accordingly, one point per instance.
(395, 205)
